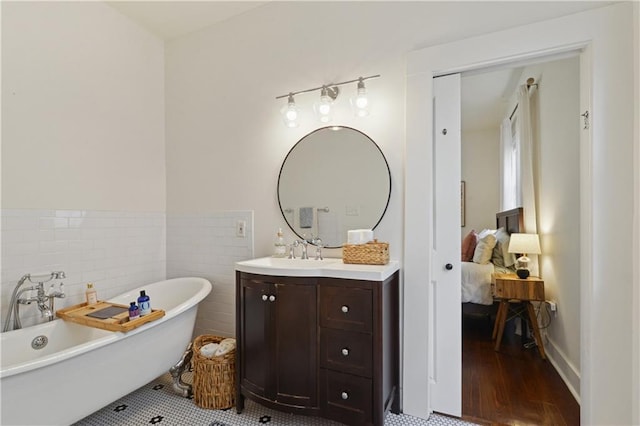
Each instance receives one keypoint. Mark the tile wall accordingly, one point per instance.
(116, 250)
(206, 245)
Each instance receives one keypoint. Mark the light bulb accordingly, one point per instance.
(290, 113)
(360, 102)
(323, 108)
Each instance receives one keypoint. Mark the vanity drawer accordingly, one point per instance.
(346, 308)
(346, 351)
(346, 398)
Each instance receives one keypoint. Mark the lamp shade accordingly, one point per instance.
(524, 244)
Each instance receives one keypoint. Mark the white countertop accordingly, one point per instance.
(329, 267)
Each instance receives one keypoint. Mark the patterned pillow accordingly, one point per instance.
(469, 246)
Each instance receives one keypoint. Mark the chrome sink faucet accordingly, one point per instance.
(318, 243)
(292, 254)
(304, 254)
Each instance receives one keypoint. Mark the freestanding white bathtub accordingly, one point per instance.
(82, 369)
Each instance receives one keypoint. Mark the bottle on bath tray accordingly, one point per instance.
(91, 294)
(280, 246)
(134, 312)
(144, 304)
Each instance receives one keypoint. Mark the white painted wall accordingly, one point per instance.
(225, 138)
(481, 173)
(83, 159)
(558, 195)
(82, 109)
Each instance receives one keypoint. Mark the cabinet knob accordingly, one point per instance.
(344, 395)
(345, 308)
(345, 351)
(272, 298)
(264, 297)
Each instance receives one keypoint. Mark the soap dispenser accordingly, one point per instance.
(280, 246)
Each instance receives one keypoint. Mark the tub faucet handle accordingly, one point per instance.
(53, 292)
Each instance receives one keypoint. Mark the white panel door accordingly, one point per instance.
(446, 335)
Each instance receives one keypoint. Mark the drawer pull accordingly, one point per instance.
(345, 351)
(344, 395)
(264, 297)
(345, 308)
(272, 298)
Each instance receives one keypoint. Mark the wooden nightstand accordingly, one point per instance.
(507, 288)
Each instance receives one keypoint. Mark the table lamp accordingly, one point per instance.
(524, 244)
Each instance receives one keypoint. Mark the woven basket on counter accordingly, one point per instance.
(371, 253)
(214, 379)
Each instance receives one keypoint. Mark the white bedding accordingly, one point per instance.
(476, 283)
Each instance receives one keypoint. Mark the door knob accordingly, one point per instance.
(448, 266)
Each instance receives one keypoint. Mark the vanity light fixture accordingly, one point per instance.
(328, 94)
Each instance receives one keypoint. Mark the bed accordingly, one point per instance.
(487, 259)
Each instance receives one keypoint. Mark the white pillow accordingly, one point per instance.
(502, 243)
(484, 249)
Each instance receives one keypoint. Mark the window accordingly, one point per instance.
(510, 176)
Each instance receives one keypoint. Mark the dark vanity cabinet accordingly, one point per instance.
(277, 345)
(319, 346)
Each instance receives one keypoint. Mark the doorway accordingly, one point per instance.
(488, 96)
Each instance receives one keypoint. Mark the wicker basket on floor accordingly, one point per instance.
(214, 379)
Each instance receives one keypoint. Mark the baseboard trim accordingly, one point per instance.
(567, 371)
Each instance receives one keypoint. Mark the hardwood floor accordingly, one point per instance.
(513, 386)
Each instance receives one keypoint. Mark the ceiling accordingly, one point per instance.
(171, 19)
(485, 96)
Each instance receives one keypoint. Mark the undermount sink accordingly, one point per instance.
(283, 266)
(328, 267)
(283, 262)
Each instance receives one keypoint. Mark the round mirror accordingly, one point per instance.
(333, 180)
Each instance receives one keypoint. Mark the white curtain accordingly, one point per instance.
(527, 182)
(508, 179)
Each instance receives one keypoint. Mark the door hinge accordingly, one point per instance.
(585, 116)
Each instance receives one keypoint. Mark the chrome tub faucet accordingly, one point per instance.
(44, 300)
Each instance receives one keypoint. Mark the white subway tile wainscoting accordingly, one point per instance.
(115, 250)
(119, 250)
(206, 245)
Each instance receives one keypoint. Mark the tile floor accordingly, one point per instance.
(157, 404)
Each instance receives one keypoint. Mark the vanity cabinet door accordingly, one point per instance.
(295, 323)
(277, 335)
(255, 336)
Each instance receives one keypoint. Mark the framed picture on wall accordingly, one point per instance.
(462, 191)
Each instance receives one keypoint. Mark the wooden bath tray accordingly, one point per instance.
(118, 322)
